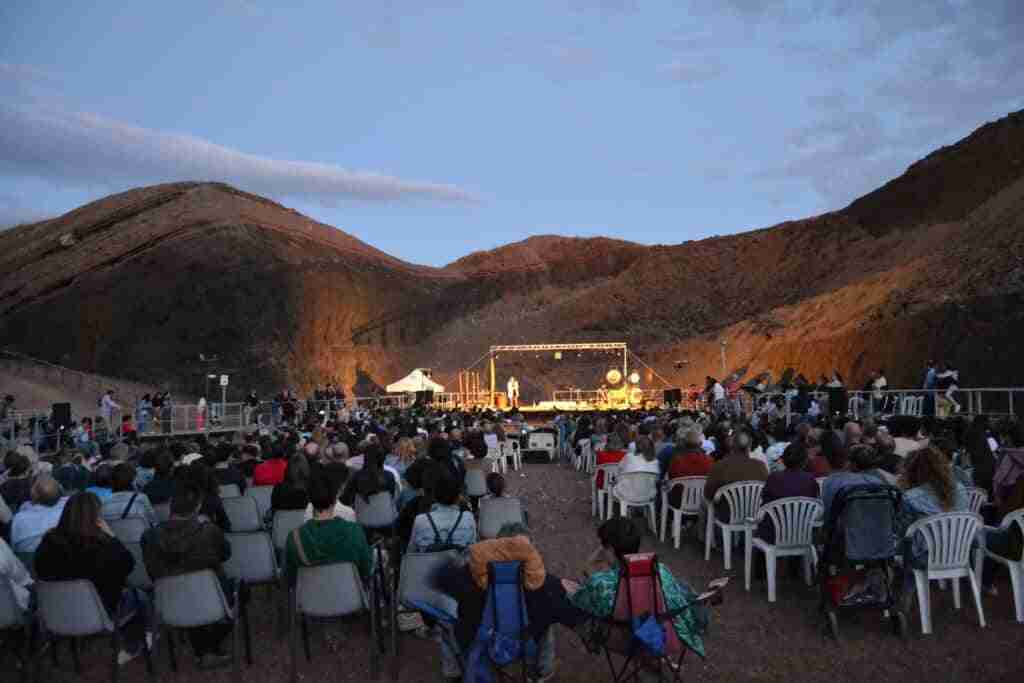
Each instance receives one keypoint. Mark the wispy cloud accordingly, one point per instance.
(86, 149)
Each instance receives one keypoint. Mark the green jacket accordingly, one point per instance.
(327, 542)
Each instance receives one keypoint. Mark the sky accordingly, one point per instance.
(434, 129)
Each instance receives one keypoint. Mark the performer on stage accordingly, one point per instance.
(513, 392)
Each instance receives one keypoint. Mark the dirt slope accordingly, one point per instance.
(141, 283)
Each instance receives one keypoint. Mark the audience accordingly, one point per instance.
(327, 537)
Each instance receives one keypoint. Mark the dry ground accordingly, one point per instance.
(749, 639)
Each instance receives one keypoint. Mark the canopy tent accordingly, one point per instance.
(417, 380)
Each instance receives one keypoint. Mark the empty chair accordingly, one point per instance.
(743, 498)
(197, 599)
(476, 483)
(584, 459)
(976, 497)
(690, 506)
(285, 521)
(793, 520)
(948, 537)
(262, 495)
(73, 609)
(254, 561)
(542, 441)
(1015, 567)
(229, 491)
(600, 488)
(496, 513)
(325, 592)
(636, 490)
(244, 514)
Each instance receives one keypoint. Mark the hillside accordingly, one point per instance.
(139, 284)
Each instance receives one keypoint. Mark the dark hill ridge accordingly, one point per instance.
(140, 283)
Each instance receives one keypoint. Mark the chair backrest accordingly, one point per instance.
(139, 578)
(244, 513)
(229, 491)
(540, 441)
(253, 559)
(693, 492)
(793, 519)
(190, 600)
(640, 593)
(976, 497)
(505, 602)
(820, 481)
(72, 608)
(1014, 517)
(377, 512)
(416, 583)
(948, 537)
(637, 487)
(163, 512)
(496, 513)
(11, 614)
(262, 496)
(605, 473)
(285, 521)
(330, 590)
(129, 529)
(743, 497)
(476, 483)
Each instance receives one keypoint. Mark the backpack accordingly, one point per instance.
(439, 546)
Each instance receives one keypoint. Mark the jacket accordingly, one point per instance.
(729, 470)
(180, 546)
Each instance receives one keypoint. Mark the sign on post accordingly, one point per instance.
(223, 380)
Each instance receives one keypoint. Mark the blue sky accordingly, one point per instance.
(434, 129)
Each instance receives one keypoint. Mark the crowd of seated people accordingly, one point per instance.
(420, 459)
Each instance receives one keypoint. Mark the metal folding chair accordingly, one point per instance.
(244, 514)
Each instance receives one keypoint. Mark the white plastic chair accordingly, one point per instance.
(820, 481)
(976, 497)
(743, 497)
(494, 456)
(948, 538)
(1016, 568)
(693, 500)
(793, 520)
(510, 452)
(582, 461)
(636, 490)
(599, 496)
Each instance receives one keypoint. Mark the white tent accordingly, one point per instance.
(417, 380)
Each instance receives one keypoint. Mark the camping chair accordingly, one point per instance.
(12, 618)
(244, 514)
(692, 502)
(198, 599)
(496, 513)
(73, 609)
(503, 637)
(640, 629)
(329, 592)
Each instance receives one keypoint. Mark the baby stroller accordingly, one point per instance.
(858, 562)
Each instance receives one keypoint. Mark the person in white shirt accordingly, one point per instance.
(642, 460)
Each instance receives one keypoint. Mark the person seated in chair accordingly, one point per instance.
(619, 537)
(326, 538)
(188, 543)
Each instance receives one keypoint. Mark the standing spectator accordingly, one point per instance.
(186, 543)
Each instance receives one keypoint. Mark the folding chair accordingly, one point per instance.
(641, 608)
(197, 599)
(496, 513)
(503, 637)
(329, 592)
(285, 521)
(262, 496)
(416, 591)
(229, 491)
(73, 609)
(12, 618)
(244, 514)
(378, 516)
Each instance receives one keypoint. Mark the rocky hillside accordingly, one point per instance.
(140, 284)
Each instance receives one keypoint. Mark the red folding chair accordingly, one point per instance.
(640, 599)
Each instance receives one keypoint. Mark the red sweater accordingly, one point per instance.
(690, 464)
(269, 473)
